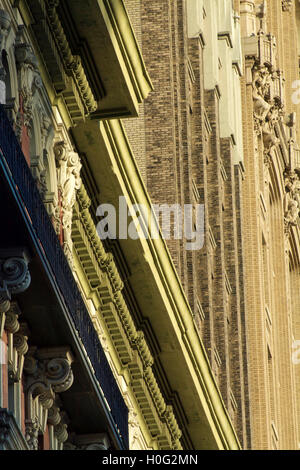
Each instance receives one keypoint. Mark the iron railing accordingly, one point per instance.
(12, 153)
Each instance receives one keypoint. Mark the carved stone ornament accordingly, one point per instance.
(68, 176)
(48, 371)
(5, 23)
(88, 442)
(268, 108)
(268, 92)
(292, 199)
(14, 273)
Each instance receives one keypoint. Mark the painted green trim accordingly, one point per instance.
(128, 45)
(54, 99)
(170, 289)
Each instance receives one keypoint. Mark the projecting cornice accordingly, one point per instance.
(161, 299)
(128, 46)
(106, 288)
(209, 424)
(92, 63)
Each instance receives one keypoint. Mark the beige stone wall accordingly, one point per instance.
(269, 224)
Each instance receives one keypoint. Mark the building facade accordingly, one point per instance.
(99, 348)
(133, 342)
(221, 130)
(196, 110)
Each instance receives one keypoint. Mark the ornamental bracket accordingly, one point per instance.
(14, 278)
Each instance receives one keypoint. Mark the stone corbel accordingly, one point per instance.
(14, 278)
(5, 25)
(29, 79)
(14, 273)
(17, 336)
(48, 371)
(88, 442)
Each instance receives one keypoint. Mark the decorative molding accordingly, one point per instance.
(72, 63)
(14, 273)
(48, 371)
(29, 80)
(18, 334)
(130, 344)
(65, 69)
(5, 25)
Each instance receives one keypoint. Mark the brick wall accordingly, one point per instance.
(186, 162)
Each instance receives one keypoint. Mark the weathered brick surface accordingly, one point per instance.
(183, 151)
(243, 286)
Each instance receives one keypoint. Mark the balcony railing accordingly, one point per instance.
(12, 154)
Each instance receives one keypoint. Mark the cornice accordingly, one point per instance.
(128, 44)
(74, 71)
(130, 344)
(193, 355)
(72, 62)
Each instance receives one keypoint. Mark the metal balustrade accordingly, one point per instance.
(12, 154)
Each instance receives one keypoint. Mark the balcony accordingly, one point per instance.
(18, 174)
